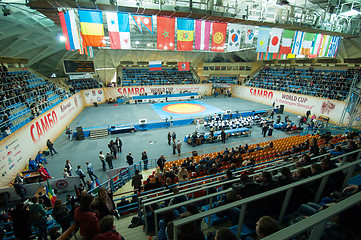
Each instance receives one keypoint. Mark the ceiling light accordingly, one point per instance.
(136, 42)
(350, 13)
(62, 38)
(149, 44)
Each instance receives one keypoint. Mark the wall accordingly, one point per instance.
(16, 149)
(202, 89)
(295, 103)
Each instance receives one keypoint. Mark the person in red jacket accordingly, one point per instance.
(86, 219)
(43, 173)
(107, 230)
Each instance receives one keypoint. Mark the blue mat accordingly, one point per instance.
(210, 110)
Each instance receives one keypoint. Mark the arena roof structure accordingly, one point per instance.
(31, 29)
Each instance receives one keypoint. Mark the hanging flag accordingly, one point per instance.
(234, 37)
(219, 31)
(316, 46)
(286, 42)
(203, 31)
(155, 65)
(324, 45)
(275, 39)
(183, 66)
(335, 41)
(249, 34)
(307, 43)
(185, 33)
(50, 193)
(118, 28)
(262, 41)
(70, 30)
(90, 51)
(297, 42)
(165, 33)
(145, 21)
(91, 23)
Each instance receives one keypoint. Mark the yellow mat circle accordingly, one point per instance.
(184, 108)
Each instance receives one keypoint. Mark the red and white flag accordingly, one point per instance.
(118, 28)
(203, 31)
(275, 39)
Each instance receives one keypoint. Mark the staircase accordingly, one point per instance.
(98, 133)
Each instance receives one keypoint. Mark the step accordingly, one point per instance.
(98, 133)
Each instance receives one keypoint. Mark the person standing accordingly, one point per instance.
(174, 136)
(137, 181)
(278, 118)
(69, 132)
(90, 170)
(119, 144)
(171, 121)
(102, 159)
(109, 160)
(169, 137)
(130, 159)
(68, 167)
(49, 144)
(179, 145)
(19, 189)
(36, 210)
(81, 174)
(161, 162)
(272, 113)
(145, 159)
(223, 136)
(270, 130)
(264, 129)
(174, 146)
(308, 113)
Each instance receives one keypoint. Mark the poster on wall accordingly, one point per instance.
(295, 103)
(16, 149)
(93, 95)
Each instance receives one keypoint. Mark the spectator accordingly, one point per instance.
(224, 234)
(137, 181)
(37, 218)
(68, 167)
(107, 230)
(130, 159)
(109, 159)
(102, 160)
(61, 215)
(177, 199)
(20, 217)
(43, 173)
(104, 204)
(86, 218)
(90, 170)
(80, 174)
(266, 226)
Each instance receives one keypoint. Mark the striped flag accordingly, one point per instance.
(316, 46)
(50, 193)
(262, 41)
(335, 41)
(286, 42)
(70, 30)
(307, 43)
(275, 40)
(155, 65)
(324, 46)
(91, 23)
(203, 31)
(297, 42)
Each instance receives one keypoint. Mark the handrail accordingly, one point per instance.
(68, 232)
(349, 166)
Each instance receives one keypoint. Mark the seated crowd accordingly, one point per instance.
(92, 213)
(83, 84)
(331, 84)
(144, 77)
(224, 79)
(23, 97)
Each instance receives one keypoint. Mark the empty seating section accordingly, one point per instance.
(82, 84)
(224, 79)
(331, 84)
(23, 97)
(143, 77)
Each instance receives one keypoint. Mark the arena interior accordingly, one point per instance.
(180, 119)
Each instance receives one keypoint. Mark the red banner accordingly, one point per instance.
(218, 36)
(183, 66)
(165, 33)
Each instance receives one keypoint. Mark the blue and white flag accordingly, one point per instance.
(262, 41)
(335, 41)
(297, 42)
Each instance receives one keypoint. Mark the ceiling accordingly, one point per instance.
(32, 30)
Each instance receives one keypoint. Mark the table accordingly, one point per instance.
(121, 129)
(31, 177)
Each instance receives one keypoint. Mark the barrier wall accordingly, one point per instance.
(295, 103)
(93, 95)
(16, 149)
(201, 89)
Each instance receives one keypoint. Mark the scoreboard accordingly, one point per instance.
(78, 66)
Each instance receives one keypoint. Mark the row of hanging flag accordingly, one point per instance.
(294, 44)
(157, 66)
(188, 31)
(271, 42)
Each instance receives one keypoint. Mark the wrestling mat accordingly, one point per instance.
(184, 109)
